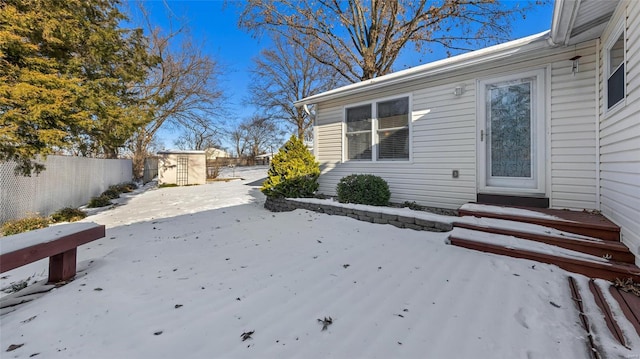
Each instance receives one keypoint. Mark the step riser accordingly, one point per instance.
(598, 249)
(577, 228)
(589, 269)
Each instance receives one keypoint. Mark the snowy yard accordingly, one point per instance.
(184, 272)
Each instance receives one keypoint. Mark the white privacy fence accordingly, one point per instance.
(67, 182)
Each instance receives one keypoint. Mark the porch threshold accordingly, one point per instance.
(509, 200)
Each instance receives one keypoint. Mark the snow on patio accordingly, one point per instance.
(185, 272)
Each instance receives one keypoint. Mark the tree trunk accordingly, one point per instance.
(110, 152)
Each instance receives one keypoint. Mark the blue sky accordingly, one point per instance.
(215, 25)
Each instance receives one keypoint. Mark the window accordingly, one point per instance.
(359, 133)
(378, 131)
(615, 71)
(393, 129)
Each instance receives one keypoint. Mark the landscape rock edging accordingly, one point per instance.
(285, 205)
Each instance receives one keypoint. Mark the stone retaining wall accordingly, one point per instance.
(418, 224)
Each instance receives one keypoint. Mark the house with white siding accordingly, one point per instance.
(551, 120)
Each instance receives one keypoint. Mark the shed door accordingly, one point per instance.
(182, 171)
(511, 134)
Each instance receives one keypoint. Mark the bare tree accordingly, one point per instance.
(238, 139)
(182, 91)
(198, 135)
(255, 136)
(285, 74)
(364, 38)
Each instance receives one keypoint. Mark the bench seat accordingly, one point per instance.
(59, 243)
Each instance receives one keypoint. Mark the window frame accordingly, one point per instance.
(375, 138)
(618, 31)
(346, 133)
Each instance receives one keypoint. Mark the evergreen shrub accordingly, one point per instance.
(293, 172)
(363, 189)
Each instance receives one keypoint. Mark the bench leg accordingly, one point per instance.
(62, 266)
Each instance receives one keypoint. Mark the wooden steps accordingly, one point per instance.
(584, 223)
(600, 317)
(590, 341)
(615, 251)
(590, 267)
(630, 305)
(579, 242)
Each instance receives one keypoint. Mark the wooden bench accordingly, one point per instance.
(59, 243)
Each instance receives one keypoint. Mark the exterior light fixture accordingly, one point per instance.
(575, 64)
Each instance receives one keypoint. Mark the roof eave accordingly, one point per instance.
(481, 56)
(564, 16)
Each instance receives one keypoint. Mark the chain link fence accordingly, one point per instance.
(67, 182)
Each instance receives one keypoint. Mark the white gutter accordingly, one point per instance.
(565, 13)
(485, 55)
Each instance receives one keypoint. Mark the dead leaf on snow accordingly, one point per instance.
(247, 335)
(13, 347)
(327, 321)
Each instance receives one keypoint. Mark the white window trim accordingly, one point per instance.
(375, 129)
(620, 29)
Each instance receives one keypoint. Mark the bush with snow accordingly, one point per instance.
(363, 189)
(293, 172)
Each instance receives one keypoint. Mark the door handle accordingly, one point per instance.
(481, 135)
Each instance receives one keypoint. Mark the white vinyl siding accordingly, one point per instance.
(573, 133)
(440, 143)
(328, 142)
(620, 136)
(444, 132)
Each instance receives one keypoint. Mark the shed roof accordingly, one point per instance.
(184, 152)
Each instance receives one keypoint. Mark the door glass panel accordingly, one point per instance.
(509, 114)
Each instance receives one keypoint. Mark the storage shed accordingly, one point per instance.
(182, 167)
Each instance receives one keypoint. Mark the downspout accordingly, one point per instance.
(598, 124)
(305, 107)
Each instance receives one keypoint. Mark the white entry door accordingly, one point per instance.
(511, 134)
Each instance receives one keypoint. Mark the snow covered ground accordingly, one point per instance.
(185, 272)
